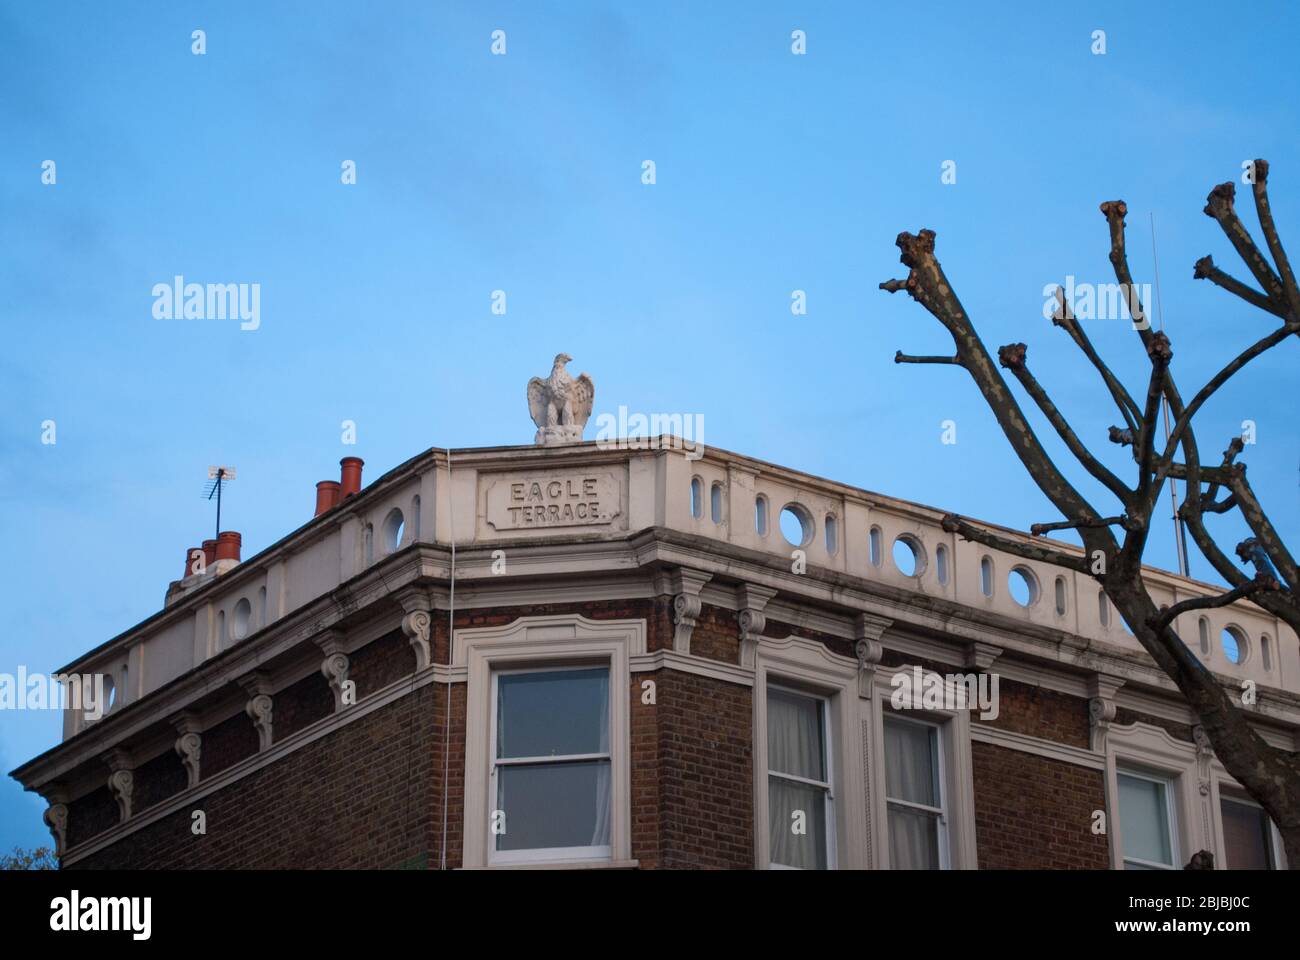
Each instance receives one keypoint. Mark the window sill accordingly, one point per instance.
(568, 865)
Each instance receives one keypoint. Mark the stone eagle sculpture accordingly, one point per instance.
(560, 404)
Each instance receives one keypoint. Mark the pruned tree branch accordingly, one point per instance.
(901, 357)
(1221, 206)
(953, 523)
(1206, 270)
(1265, 214)
(1038, 529)
(1064, 318)
(1013, 358)
(1168, 615)
(1272, 776)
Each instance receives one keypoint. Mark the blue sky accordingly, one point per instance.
(522, 173)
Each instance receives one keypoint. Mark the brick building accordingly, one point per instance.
(575, 655)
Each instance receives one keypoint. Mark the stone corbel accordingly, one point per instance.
(867, 631)
(56, 815)
(751, 599)
(189, 744)
(121, 782)
(1101, 709)
(980, 655)
(1204, 755)
(259, 707)
(334, 667)
(418, 625)
(685, 585)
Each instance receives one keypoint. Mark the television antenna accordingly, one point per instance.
(217, 478)
(1180, 531)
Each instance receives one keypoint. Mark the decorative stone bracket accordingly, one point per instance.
(980, 655)
(686, 584)
(56, 815)
(189, 745)
(867, 631)
(1101, 709)
(259, 707)
(751, 599)
(418, 625)
(121, 782)
(335, 665)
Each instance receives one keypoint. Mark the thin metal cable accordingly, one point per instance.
(1180, 535)
(451, 616)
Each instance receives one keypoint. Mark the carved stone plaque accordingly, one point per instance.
(553, 500)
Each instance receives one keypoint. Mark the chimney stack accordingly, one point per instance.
(327, 496)
(351, 478)
(228, 542)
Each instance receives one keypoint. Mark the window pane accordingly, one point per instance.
(1144, 814)
(913, 839)
(911, 770)
(554, 805)
(1246, 836)
(794, 735)
(805, 850)
(556, 713)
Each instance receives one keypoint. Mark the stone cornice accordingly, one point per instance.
(824, 600)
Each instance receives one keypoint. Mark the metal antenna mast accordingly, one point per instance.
(217, 477)
(1180, 531)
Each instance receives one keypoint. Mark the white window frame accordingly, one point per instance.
(1172, 820)
(565, 640)
(808, 668)
(544, 854)
(957, 777)
(828, 762)
(945, 845)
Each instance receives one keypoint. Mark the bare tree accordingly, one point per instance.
(1114, 539)
(37, 858)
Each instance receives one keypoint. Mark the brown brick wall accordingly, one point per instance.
(1035, 812)
(1039, 712)
(706, 785)
(162, 777)
(226, 744)
(297, 706)
(355, 798)
(716, 635)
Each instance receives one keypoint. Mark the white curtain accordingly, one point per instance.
(909, 767)
(806, 850)
(910, 775)
(913, 839)
(795, 746)
(600, 830)
(794, 735)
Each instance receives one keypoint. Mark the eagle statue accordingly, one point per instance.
(560, 404)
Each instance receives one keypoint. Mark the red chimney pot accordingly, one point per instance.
(228, 542)
(351, 482)
(327, 496)
(189, 559)
(209, 552)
